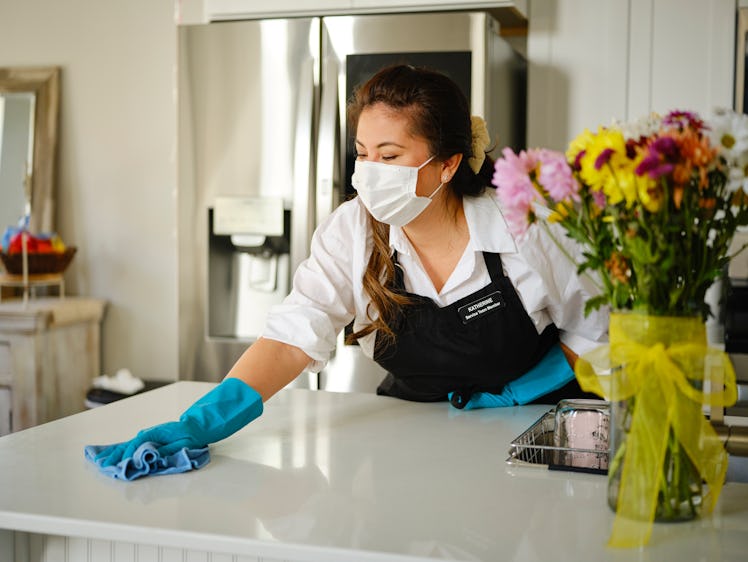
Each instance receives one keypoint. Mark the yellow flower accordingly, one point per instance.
(651, 193)
(611, 189)
(560, 212)
(578, 145)
(619, 185)
(605, 166)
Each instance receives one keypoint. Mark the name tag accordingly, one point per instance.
(481, 307)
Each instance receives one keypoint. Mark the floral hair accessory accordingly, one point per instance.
(481, 139)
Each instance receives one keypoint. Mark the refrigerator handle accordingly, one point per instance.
(328, 144)
(302, 211)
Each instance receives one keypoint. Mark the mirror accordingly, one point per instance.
(29, 108)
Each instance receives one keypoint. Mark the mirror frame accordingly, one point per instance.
(44, 81)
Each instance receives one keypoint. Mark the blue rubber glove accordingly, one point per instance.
(221, 412)
(551, 373)
(488, 400)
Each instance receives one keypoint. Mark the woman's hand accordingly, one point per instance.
(551, 373)
(168, 437)
(221, 412)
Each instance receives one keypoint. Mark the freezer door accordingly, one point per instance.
(247, 97)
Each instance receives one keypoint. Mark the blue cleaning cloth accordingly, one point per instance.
(147, 461)
(551, 373)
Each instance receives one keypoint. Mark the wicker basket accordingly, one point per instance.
(39, 264)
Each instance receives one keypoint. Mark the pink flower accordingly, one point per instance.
(515, 188)
(598, 197)
(556, 176)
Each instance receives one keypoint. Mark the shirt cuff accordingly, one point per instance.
(297, 326)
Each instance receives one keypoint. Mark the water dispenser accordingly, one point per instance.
(248, 264)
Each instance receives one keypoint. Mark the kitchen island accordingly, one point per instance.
(325, 476)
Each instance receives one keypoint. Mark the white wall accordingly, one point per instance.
(592, 61)
(116, 166)
(577, 68)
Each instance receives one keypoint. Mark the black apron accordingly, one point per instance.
(477, 344)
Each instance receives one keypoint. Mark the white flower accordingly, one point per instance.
(737, 179)
(729, 132)
(643, 127)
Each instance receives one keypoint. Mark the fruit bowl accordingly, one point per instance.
(39, 263)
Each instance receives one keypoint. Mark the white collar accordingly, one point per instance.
(488, 229)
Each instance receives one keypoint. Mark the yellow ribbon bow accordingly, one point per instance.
(660, 363)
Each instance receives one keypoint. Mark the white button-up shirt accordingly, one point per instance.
(328, 290)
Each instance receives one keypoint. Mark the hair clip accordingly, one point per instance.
(481, 140)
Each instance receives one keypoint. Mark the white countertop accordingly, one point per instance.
(331, 476)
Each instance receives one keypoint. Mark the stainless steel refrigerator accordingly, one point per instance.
(264, 156)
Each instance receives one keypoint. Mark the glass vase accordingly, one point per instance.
(680, 492)
(671, 475)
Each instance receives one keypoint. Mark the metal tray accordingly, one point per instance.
(536, 447)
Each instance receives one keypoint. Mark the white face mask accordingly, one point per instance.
(389, 191)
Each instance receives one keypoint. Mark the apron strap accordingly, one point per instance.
(493, 264)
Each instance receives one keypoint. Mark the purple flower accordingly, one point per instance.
(631, 149)
(654, 167)
(666, 146)
(660, 157)
(603, 158)
(556, 177)
(578, 160)
(684, 120)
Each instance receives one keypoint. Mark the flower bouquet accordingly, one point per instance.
(654, 206)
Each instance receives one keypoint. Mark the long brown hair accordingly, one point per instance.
(437, 111)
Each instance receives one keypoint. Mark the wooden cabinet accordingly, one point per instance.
(49, 353)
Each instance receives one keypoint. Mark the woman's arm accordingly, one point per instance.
(555, 258)
(269, 365)
(263, 369)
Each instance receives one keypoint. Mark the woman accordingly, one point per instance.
(440, 294)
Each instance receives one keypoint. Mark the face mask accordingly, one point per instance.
(389, 191)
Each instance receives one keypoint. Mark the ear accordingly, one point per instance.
(449, 167)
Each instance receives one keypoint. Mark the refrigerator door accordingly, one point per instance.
(247, 96)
